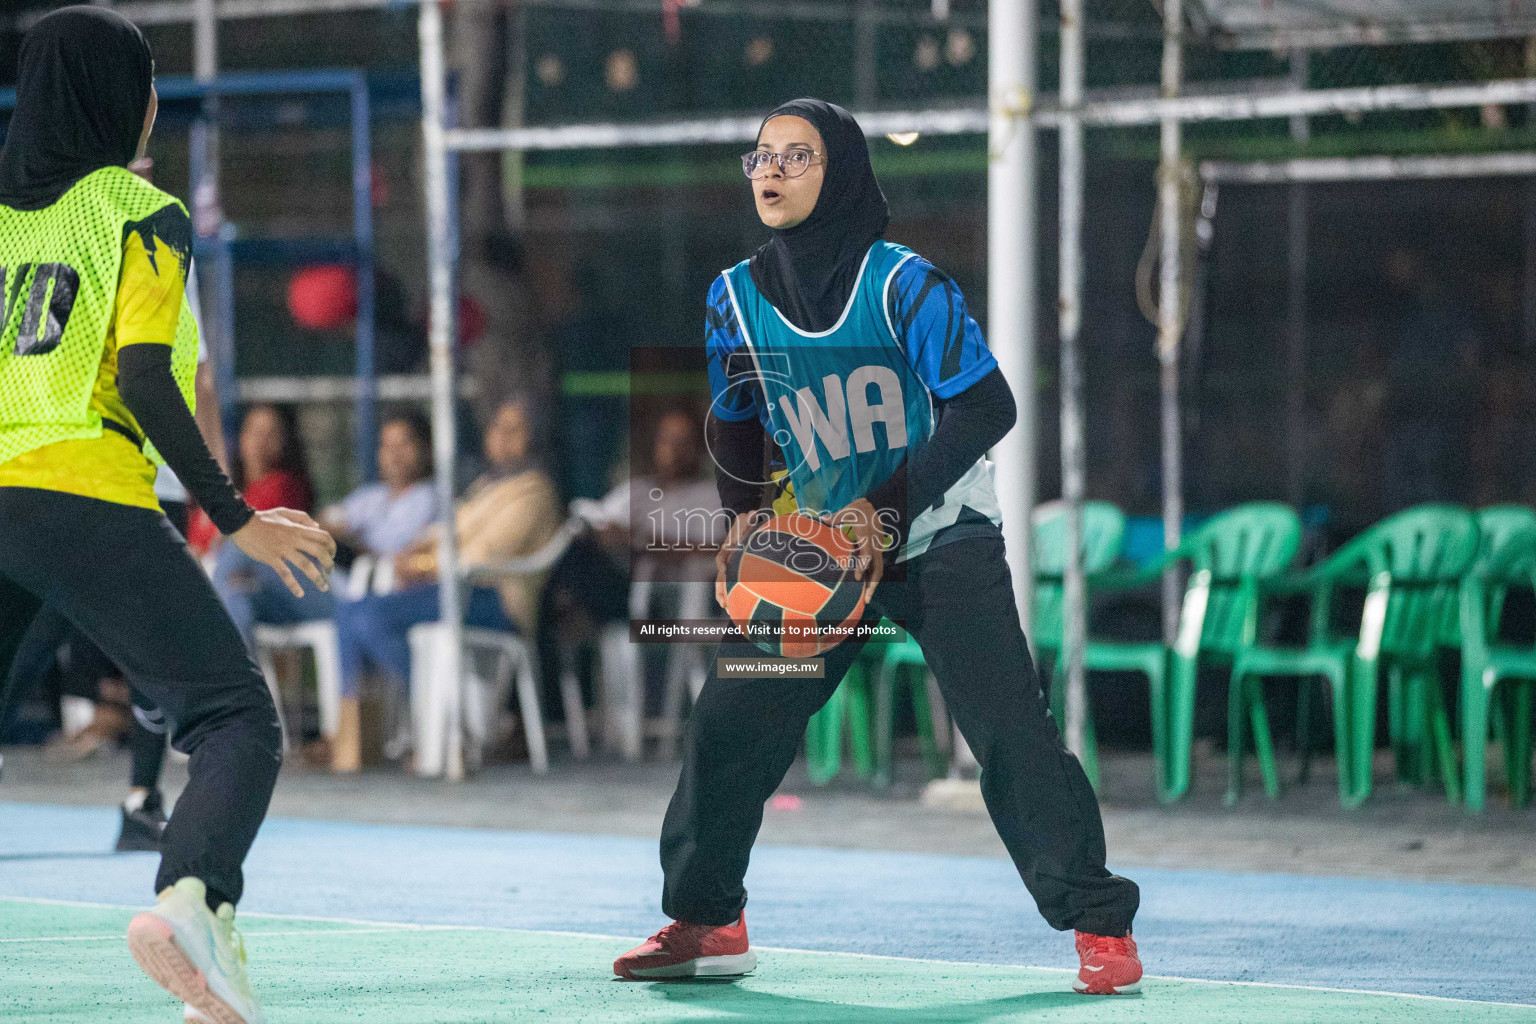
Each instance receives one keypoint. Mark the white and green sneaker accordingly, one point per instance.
(195, 955)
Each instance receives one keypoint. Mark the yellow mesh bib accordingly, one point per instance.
(59, 269)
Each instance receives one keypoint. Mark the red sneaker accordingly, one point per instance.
(1110, 965)
(683, 950)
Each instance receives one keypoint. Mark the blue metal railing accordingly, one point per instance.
(225, 248)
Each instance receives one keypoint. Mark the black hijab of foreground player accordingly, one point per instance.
(81, 96)
(808, 271)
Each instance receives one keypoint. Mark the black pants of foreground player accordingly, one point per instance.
(957, 600)
(126, 579)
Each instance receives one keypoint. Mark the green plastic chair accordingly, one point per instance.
(904, 661)
(865, 701)
(1103, 540)
(1485, 663)
(824, 733)
(1228, 556)
(1495, 525)
(1231, 556)
(1411, 564)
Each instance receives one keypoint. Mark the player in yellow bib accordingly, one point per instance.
(98, 350)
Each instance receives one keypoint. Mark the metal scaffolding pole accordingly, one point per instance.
(1120, 113)
(1528, 297)
(1296, 309)
(208, 217)
(1371, 168)
(865, 71)
(1106, 113)
(1070, 301)
(1170, 312)
(1011, 270)
(434, 90)
(365, 376)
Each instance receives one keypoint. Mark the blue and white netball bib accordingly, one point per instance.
(846, 405)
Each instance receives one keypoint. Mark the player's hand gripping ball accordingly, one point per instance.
(791, 587)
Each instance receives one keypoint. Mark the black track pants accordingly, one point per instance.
(125, 578)
(957, 600)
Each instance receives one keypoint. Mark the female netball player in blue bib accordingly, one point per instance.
(858, 357)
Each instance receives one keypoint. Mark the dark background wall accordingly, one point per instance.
(1421, 355)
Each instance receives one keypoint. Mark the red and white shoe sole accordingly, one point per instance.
(153, 944)
(700, 967)
(1083, 988)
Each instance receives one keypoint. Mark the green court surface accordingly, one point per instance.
(69, 964)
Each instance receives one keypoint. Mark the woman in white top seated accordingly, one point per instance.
(381, 519)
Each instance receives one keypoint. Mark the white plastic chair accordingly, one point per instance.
(687, 666)
(433, 696)
(437, 700)
(319, 638)
(621, 675)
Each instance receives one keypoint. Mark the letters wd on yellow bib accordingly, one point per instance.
(102, 268)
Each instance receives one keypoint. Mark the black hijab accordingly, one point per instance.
(81, 96)
(808, 271)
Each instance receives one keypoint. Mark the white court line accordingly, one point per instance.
(317, 932)
(1156, 977)
(401, 925)
(387, 926)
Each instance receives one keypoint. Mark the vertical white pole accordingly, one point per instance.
(1012, 31)
(216, 275)
(434, 88)
(1297, 243)
(1070, 300)
(205, 41)
(205, 68)
(1170, 314)
(1528, 301)
(866, 84)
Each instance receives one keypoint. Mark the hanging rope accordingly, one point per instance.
(1147, 267)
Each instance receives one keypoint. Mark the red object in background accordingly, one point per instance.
(200, 532)
(278, 489)
(323, 298)
(379, 191)
(473, 321)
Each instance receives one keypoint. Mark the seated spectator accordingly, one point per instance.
(509, 512)
(661, 529)
(270, 470)
(671, 517)
(383, 518)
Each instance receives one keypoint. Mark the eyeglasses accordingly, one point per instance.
(792, 163)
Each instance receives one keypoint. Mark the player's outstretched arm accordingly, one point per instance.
(284, 538)
(279, 538)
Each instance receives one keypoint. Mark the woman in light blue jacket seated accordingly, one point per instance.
(381, 519)
(376, 520)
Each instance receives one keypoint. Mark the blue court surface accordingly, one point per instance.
(1414, 944)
